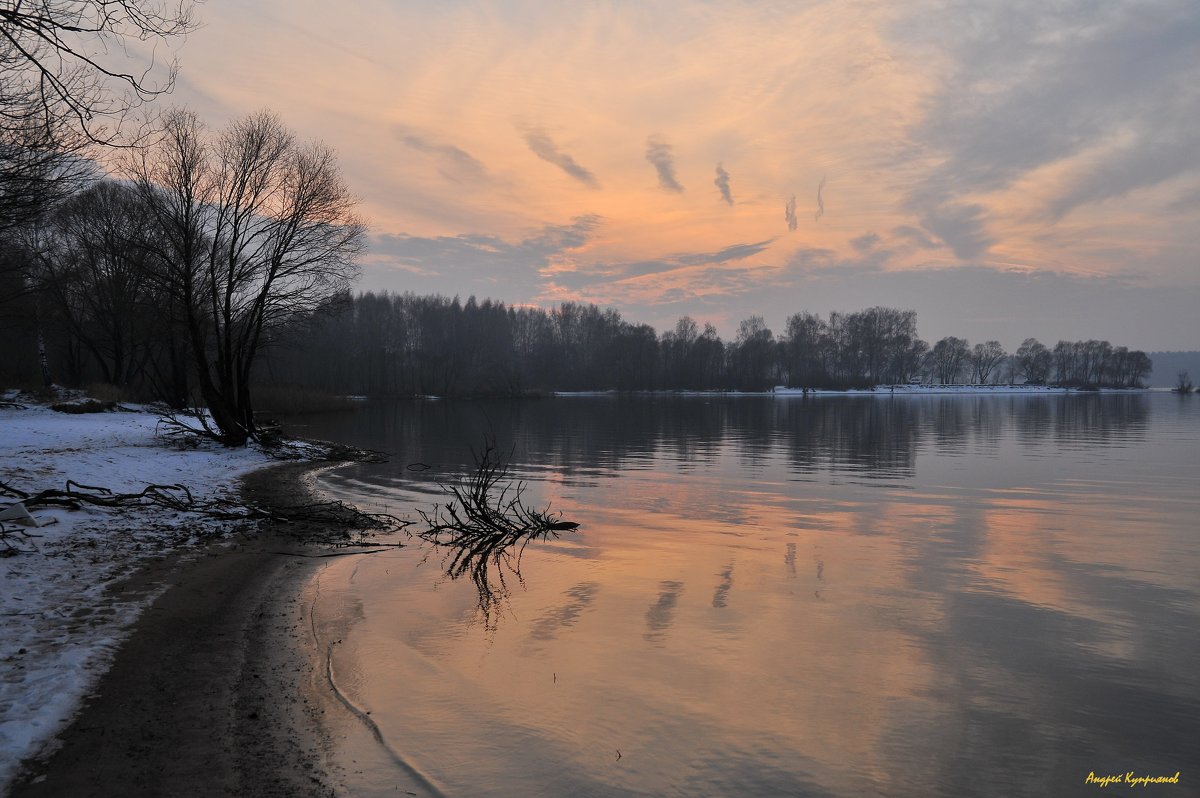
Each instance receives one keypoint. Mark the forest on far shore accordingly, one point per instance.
(406, 345)
(101, 324)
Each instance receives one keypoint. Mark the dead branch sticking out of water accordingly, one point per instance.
(487, 526)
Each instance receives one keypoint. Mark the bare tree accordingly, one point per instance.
(258, 230)
(985, 358)
(93, 265)
(947, 359)
(752, 355)
(803, 345)
(1034, 361)
(37, 171)
(76, 65)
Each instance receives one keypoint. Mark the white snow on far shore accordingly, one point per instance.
(880, 390)
(62, 615)
(944, 390)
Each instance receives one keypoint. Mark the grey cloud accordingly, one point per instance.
(1032, 87)
(610, 272)
(915, 235)
(480, 263)
(812, 256)
(821, 263)
(454, 163)
(961, 226)
(658, 153)
(1187, 201)
(865, 242)
(722, 184)
(544, 148)
(820, 201)
(726, 254)
(789, 213)
(556, 238)
(1145, 163)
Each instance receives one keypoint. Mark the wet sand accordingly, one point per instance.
(217, 689)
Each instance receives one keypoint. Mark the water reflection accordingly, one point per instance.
(721, 595)
(562, 617)
(582, 439)
(662, 612)
(942, 596)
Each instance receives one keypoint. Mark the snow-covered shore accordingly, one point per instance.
(62, 610)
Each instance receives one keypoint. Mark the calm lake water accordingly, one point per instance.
(907, 596)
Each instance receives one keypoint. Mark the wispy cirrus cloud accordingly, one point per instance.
(659, 154)
(722, 183)
(454, 163)
(544, 147)
(639, 278)
(477, 262)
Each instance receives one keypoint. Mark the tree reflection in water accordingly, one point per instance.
(485, 526)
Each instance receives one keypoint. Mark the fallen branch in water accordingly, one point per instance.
(488, 525)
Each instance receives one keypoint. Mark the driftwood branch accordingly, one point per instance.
(14, 541)
(334, 515)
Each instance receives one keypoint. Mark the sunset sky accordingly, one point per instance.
(1004, 168)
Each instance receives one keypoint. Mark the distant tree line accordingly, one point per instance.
(110, 304)
(405, 344)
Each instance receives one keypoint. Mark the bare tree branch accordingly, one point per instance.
(83, 65)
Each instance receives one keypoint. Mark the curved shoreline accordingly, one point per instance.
(211, 692)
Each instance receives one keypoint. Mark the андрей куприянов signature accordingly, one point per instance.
(1130, 779)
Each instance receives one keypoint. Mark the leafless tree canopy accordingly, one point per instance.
(257, 229)
(84, 64)
(36, 173)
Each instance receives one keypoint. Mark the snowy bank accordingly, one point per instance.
(62, 612)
